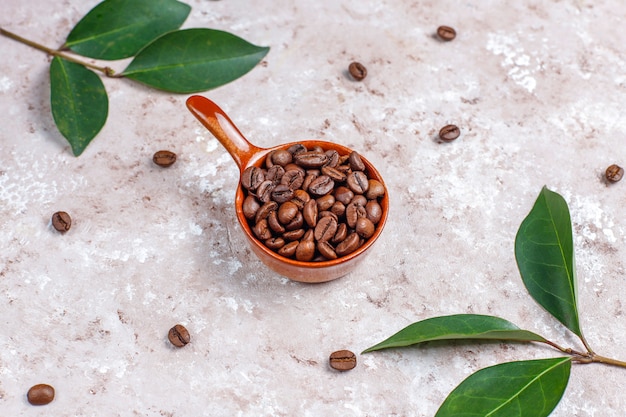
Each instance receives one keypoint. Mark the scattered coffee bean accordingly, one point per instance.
(179, 336)
(357, 71)
(614, 173)
(40, 394)
(164, 158)
(449, 133)
(61, 221)
(446, 33)
(319, 206)
(342, 360)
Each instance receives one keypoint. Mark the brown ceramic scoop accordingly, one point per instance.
(246, 154)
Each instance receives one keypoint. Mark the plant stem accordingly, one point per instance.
(105, 70)
(607, 361)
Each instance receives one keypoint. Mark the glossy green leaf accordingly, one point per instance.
(458, 327)
(544, 250)
(79, 102)
(521, 389)
(194, 60)
(117, 29)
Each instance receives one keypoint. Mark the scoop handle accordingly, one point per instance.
(224, 130)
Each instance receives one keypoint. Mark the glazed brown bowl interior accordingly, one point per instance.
(246, 154)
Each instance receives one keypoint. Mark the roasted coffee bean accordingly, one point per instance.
(614, 173)
(293, 179)
(61, 221)
(289, 249)
(355, 161)
(325, 229)
(357, 182)
(261, 230)
(449, 133)
(293, 234)
(281, 157)
(446, 33)
(296, 148)
(264, 211)
(264, 192)
(308, 179)
(287, 212)
(296, 223)
(252, 177)
(348, 245)
(309, 212)
(250, 207)
(164, 158)
(374, 211)
(300, 198)
(275, 174)
(341, 234)
(275, 243)
(359, 200)
(311, 159)
(282, 193)
(375, 190)
(364, 227)
(326, 250)
(274, 224)
(327, 213)
(342, 360)
(40, 394)
(357, 71)
(333, 158)
(343, 194)
(268, 160)
(325, 202)
(321, 185)
(179, 336)
(338, 209)
(334, 174)
(353, 213)
(306, 248)
(292, 166)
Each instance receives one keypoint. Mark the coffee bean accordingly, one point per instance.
(374, 211)
(343, 194)
(306, 248)
(281, 157)
(364, 227)
(289, 249)
(334, 174)
(341, 234)
(321, 185)
(357, 182)
(252, 177)
(357, 71)
(274, 224)
(446, 33)
(348, 245)
(282, 193)
(614, 173)
(342, 360)
(264, 192)
(296, 148)
(250, 207)
(353, 213)
(40, 394)
(164, 158)
(293, 179)
(449, 133)
(275, 243)
(61, 221)
(262, 230)
(309, 212)
(325, 229)
(311, 159)
(356, 164)
(275, 174)
(287, 212)
(179, 335)
(325, 202)
(326, 250)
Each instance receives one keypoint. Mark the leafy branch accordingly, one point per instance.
(164, 57)
(544, 251)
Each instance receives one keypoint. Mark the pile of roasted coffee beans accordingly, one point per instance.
(312, 204)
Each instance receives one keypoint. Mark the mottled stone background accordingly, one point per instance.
(538, 89)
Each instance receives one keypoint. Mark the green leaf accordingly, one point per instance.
(117, 29)
(544, 250)
(521, 389)
(194, 60)
(458, 327)
(79, 102)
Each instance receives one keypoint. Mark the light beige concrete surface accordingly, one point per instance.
(538, 90)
